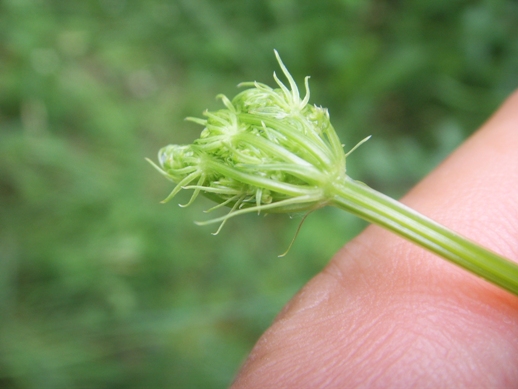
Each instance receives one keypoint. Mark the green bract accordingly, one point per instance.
(269, 150)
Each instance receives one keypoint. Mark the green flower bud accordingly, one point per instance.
(268, 150)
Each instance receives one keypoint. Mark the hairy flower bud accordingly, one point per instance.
(268, 150)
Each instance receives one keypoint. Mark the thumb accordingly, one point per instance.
(385, 313)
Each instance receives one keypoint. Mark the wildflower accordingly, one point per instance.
(269, 150)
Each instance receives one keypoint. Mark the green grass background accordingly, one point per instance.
(101, 286)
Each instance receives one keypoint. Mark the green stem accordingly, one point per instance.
(359, 199)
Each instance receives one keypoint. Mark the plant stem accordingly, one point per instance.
(375, 207)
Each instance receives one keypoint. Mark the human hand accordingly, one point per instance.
(387, 314)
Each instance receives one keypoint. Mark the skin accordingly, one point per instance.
(385, 313)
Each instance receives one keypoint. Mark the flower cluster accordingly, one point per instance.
(268, 150)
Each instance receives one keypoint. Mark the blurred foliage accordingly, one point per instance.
(103, 287)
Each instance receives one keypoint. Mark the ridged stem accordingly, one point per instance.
(375, 207)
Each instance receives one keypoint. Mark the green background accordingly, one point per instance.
(101, 286)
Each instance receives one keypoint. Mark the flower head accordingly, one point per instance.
(268, 150)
